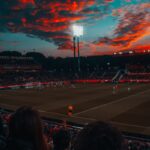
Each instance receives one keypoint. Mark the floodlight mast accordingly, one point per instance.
(77, 32)
(74, 46)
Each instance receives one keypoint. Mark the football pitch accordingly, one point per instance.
(127, 106)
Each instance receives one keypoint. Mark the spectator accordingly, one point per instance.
(25, 131)
(61, 140)
(99, 136)
(2, 135)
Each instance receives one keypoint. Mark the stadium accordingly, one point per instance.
(116, 94)
(79, 89)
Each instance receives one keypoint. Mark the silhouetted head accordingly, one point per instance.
(1, 127)
(25, 124)
(99, 136)
(61, 139)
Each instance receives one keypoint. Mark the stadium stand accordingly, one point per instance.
(135, 73)
(18, 63)
(34, 67)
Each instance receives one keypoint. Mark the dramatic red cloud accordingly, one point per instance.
(133, 26)
(27, 1)
(141, 48)
(51, 20)
(66, 46)
(108, 1)
(62, 37)
(46, 19)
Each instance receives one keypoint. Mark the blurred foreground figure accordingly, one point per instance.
(25, 131)
(2, 135)
(99, 136)
(61, 140)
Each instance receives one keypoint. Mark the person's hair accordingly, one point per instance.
(61, 139)
(99, 136)
(25, 124)
(1, 127)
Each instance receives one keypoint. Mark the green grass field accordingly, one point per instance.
(128, 110)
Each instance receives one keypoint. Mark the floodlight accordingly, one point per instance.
(130, 52)
(77, 30)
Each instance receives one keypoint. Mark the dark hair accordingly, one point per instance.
(25, 124)
(1, 126)
(98, 136)
(61, 139)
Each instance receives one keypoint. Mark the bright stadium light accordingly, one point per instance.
(77, 30)
(130, 52)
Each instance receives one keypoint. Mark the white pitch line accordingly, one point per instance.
(7, 106)
(110, 103)
(63, 115)
(76, 117)
(91, 119)
(129, 125)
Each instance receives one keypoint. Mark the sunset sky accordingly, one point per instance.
(46, 26)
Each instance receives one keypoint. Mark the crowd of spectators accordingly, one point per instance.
(11, 78)
(138, 73)
(137, 76)
(18, 78)
(25, 130)
(17, 61)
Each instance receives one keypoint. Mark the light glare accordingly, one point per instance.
(77, 30)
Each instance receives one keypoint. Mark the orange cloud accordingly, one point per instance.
(133, 26)
(141, 48)
(46, 19)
